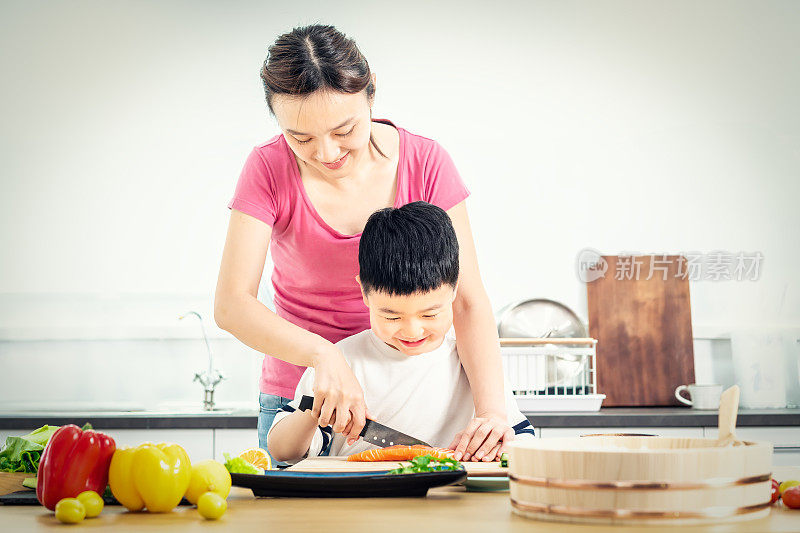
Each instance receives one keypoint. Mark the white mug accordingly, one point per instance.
(702, 396)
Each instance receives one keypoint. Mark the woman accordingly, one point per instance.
(308, 193)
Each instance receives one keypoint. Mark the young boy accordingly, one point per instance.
(407, 362)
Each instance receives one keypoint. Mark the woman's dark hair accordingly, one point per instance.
(407, 250)
(316, 57)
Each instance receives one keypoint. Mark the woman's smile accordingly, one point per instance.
(338, 163)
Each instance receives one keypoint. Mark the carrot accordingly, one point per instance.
(400, 453)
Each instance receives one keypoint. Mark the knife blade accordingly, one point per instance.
(373, 432)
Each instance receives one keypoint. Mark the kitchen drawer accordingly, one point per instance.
(786, 457)
(198, 443)
(546, 433)
(13, 433)
(779, 436)
(233, 441)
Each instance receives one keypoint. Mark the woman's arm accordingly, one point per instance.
(238, 311)
(479, 350)
(236, 307)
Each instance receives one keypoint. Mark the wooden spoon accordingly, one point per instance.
(728, 410)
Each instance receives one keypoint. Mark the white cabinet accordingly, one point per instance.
(11, 432)
(786, 456)
(198, 443)
(785, 441)
(547, 433)
(779, 436)
(233, 441)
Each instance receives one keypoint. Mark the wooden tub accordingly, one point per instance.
(640, 480)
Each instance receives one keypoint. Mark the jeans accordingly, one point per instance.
(269, 404)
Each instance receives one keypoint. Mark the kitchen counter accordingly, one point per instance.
(662, 417)
(444, 509)
(247, 419)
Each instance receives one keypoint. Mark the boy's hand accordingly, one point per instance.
(484, 439)
(336, 390)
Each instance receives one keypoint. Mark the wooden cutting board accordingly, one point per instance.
(643, 329)
(341, 464)
(12, 482)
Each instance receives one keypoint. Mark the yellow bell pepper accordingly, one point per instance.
(154, 476)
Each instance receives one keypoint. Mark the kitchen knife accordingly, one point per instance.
(373, 432)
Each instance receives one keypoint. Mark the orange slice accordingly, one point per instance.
(257, 457)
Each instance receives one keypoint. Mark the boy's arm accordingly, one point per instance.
(290, 437)
(294, 433)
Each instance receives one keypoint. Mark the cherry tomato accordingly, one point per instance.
(70, 511)
(775, 495)
(92, 502)
(788, 484)
(211, 505)
(791, 497)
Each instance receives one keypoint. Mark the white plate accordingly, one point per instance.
(486, 484)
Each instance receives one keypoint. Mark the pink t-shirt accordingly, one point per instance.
(315, 265)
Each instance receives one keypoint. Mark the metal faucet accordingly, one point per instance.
(210, 378)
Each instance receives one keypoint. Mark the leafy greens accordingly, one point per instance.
(22, 454)
(427, 463)
(237, 465)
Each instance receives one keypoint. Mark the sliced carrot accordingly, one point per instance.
(400, 453)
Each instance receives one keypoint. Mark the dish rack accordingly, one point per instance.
(552, 374)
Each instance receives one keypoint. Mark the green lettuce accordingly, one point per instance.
(22, 454)
(237, 465)
(42, 435)
(427, 463)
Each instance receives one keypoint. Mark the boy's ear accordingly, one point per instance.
(455, 292)
(363, 294)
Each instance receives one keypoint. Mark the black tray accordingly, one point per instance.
(345, 484)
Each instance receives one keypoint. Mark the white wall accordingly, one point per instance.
(619, 125)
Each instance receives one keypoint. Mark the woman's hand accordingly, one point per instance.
(338, 397)
(484, 439)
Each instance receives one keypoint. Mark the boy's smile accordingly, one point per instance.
(413, 324)
(412, 344)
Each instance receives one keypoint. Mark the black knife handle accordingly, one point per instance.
(307, 402)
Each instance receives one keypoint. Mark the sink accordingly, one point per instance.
(123, 408)
(71, 407)
(196, 408)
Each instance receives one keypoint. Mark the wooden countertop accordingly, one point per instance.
(444, 509)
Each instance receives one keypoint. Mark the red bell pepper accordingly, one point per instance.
(73, 461)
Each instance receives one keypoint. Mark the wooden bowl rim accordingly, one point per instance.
(550, 445)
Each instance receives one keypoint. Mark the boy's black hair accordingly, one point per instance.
(407, 250)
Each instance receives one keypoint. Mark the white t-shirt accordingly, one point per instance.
(426, 396)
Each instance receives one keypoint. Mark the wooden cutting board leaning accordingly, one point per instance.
(640, 315)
